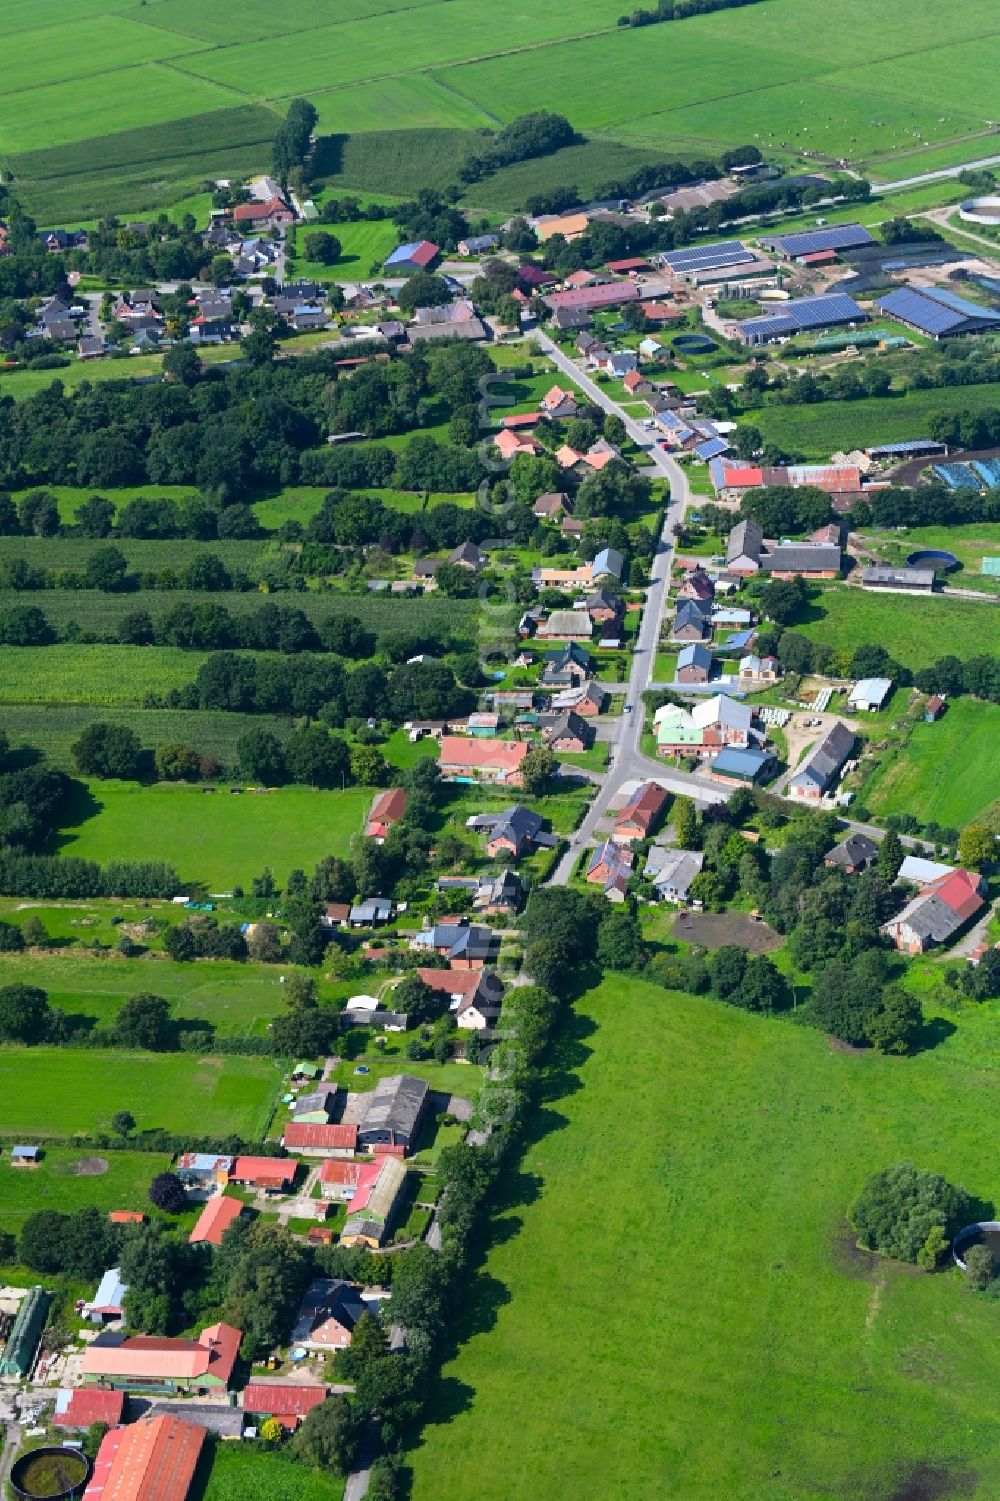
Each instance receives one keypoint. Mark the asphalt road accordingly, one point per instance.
(626, 762)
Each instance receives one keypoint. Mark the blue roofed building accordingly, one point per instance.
(743, 766)
(938, 313)
(608, 563)
(811, 241)
(829, 310)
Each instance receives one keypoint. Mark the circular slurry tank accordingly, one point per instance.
(984, 210)
(984, 1233)
(694, 343)
(932, 557)
(50, 1474)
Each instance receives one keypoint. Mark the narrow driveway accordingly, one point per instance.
(914, 182)
(626, 762)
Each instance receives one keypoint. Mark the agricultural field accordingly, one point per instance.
(805, 1370)
(821, 429)
(150, 165)
(53, 1093)
(948, 772)
(213, 838)
(789, 82)
(100, 675)
(915, 631)
(240, 1470)
(66, 1180)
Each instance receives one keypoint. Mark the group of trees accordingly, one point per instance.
(909, 1215)
(677, 10)
(32, 798)
(528, 136)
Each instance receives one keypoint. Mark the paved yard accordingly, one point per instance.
(712, 930)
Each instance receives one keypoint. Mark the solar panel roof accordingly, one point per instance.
(708, 257)
(816, 312)
(834, 237)
(769, 327)
(711, 448)
(939, 313)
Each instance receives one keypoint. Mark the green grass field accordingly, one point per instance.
(58, 1092)
(363, 244)
(54, 728)
(216, 839)
(820, 430)
(947, 771)
(57, 1183)
(915, 631)
(238, 1000)
(671, 1305)
(103, 78)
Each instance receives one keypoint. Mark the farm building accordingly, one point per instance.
(912, 580)
(802, 315)
(203, 1170)
(374, 1203)
(386, 810)
(747, 553)
(78, 1408)
(823, 766)
(287, 1401)
(416, 256)
(271, 1174)
(23, 1156)
(566, 625)
(394, 1113)
(937, 913)
(215, 1219)
(742, 767)
(338, 1179)
(313, 1139)
(109, 1300)
(594, 299)
(22, 1342)
(152, 1460)
(808, 241)
(937, 312)
(145, 1362)
(465, 759)
(315, 1107)
(870, 694)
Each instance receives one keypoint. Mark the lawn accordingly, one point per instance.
(241, 1470)
(948, 771)
(58, 1183)
(364, 243)
(700, 1161)
(916, 631)
(215, 840)
(53, 1093)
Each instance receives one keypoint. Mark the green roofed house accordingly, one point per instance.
(991, 567)
(19, 1351)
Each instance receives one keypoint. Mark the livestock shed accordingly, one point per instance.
(938, 313)
(809, 241)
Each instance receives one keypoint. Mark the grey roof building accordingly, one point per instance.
(856, 852)
(801, 557)
(746, 540)
(394, 1112)
(823, 765)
